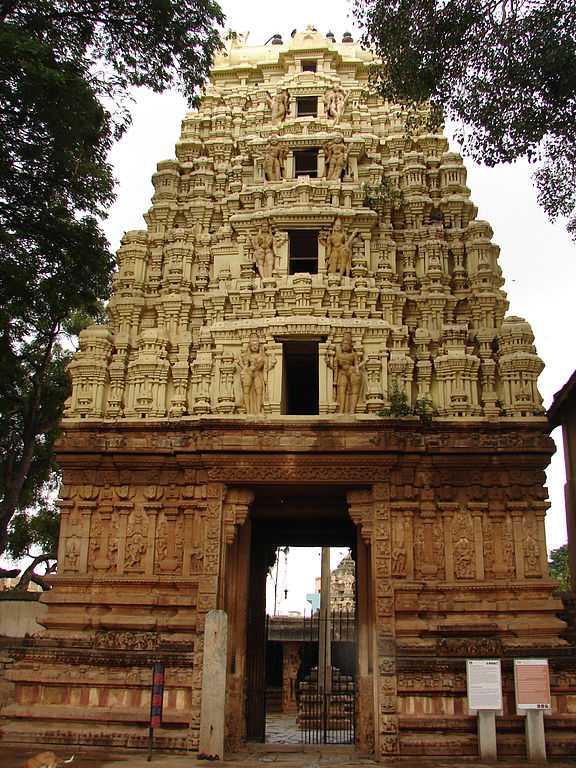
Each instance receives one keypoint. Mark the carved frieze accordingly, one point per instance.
(469, 647)
(133, 641)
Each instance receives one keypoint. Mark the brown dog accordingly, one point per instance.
(46, 760)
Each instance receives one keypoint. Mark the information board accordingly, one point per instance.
(532, 683)
(484, 679)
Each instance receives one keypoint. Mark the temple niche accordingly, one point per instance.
(307, 278)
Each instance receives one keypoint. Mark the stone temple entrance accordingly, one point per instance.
(313, 516)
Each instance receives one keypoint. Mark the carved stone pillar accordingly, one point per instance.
(386, 720)
(360, 510)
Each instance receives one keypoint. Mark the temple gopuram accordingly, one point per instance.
(307, 345)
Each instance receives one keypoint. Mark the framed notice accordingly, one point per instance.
(532, 684)
(484, 680)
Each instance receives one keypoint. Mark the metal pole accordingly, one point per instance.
(324, 661)
(324, 644)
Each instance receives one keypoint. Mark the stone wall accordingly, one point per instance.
(453, 523)
(20, 618)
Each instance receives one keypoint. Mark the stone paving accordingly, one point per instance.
(284, 756)
(282, 729)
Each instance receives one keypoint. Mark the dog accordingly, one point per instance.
(46, 760)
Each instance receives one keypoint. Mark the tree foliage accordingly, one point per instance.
(66, 70)
(559, 566)
(504, 70)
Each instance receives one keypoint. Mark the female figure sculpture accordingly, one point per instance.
(253, 367)
(279, 105)
(334, 102)
(347, 365)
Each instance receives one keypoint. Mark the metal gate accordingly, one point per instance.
(328, 718)
(327, 703)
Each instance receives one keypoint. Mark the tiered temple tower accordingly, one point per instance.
(313, 317)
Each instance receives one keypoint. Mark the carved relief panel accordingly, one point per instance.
(401, 562)
(498, 545)
(429, 545)
(531, 547)
(169, 542)
(463, 549)
(103, 549)
(137, 534)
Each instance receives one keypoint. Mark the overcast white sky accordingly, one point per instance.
(538, 258)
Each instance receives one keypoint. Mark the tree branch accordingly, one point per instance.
(9, 574)
(28, 574)
(6, 8)
(13, 489)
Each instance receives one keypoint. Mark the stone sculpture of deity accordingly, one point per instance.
(274, 158)
(339, 249)
(334, 103)
(253, 365)
(336, 158)
(279, 105)
(347, 366)
(263, 250)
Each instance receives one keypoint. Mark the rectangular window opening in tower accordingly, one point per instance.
(303, 251)
(300, 383)
(309, 65)
(306, 162)
(307, 106)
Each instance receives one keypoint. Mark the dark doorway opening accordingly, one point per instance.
(306, 162)
(300, 383)
(306, 106)
(274, 665)
(309, 65)
(303, 251)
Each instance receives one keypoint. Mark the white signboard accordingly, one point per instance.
(532, 683)
(484, 679)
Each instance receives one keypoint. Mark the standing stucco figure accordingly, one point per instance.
(347, 365)
(253, 365)
(336, 158)
(264, 253)
(334, 102)
(274, 158)
(339, 249)
(279, 105)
